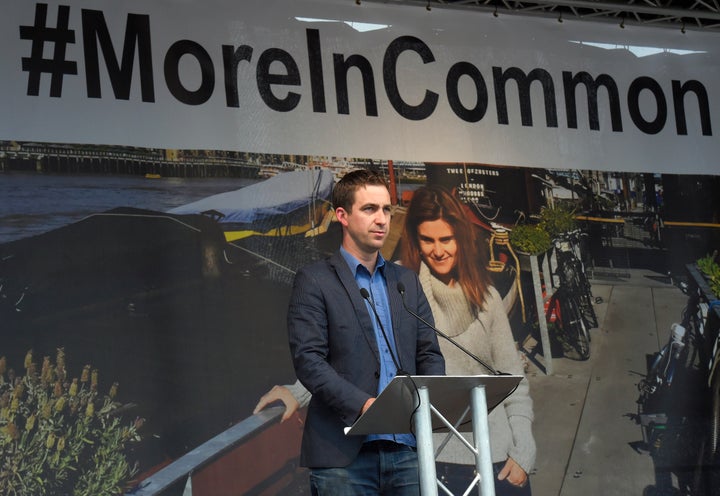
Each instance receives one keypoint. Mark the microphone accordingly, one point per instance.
(401, 290)
(366, 296)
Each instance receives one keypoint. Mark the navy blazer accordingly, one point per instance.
(336, 356)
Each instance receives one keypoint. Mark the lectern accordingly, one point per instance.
(424, 404)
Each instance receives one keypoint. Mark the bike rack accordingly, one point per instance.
(536, 262)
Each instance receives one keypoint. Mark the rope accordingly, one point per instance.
(501, 237)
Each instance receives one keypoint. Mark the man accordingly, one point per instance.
(349, 336)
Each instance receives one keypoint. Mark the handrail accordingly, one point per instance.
(207, 452)
(704, 288)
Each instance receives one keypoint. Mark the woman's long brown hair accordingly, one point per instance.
(431, 203)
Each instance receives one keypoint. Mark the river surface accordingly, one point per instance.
(32, 203)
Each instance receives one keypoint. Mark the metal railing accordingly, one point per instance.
(210, 451)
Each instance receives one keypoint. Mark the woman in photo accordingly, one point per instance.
(442, 247)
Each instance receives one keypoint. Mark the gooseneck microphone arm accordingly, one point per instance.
(401, 290)
(366, 296)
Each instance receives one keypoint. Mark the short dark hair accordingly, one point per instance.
(343, 195)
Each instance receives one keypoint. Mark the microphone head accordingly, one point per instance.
(364, 293)
(401, 287)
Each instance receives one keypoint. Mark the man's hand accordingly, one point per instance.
(514, 474)
(279, 393)
(367, 405)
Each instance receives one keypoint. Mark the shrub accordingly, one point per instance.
(557, 220)
(710, 268)
(530, 238)
(59, 435)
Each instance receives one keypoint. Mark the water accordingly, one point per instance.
(32, 203)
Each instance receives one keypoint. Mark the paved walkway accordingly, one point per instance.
(583, 426)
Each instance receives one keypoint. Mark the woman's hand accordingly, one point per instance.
(514, 474)
(279, 393)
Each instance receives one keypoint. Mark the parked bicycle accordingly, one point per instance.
(570, 307)
(563, 310)
(571, 273)
(679, 403)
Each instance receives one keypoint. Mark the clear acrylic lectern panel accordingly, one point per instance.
(426, 404)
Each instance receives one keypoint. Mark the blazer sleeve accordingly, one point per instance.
(333, 378)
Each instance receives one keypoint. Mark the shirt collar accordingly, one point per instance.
(354, 263)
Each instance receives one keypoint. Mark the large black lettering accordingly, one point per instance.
(231, 60)
(172, 74)
(633, 98)
(523, 82)
(342, 66)
(137, 36)
(317, 85)
(451, 87)
(265, 79)
(679, 92)
(570, 84)
(429, 102)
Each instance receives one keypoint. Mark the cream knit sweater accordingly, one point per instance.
(487, 335)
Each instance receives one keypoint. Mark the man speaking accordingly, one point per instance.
(349, 336)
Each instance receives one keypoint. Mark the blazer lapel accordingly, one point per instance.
(346, 278)
(396, 306)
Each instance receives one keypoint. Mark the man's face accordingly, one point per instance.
(368, 221)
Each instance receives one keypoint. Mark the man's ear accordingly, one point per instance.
(341, 215)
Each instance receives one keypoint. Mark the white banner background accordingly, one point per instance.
(452, 36)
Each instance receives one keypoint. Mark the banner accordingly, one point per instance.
(371, 80)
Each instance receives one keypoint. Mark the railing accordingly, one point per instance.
(258, 455)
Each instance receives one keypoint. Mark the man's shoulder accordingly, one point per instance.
(399, 270)
(319, 266)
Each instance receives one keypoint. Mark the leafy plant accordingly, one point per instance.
(59, 435)
(530, 238)
(557, 220)
(711, 269)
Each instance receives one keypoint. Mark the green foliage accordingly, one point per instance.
(530, 238)
(557, 220)
(710, 268)
(58, 435)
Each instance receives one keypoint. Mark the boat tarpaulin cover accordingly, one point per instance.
(281, 194)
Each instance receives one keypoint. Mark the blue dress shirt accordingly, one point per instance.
(376, 286)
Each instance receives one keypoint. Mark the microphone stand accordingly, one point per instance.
(401, 290)
(366, 296)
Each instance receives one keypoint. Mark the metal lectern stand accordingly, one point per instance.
(405, 406)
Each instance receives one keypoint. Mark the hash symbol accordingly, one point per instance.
(36, 64)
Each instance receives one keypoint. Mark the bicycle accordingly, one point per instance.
(564, 311)
(570, 306)
(679, 403)
(571, 273)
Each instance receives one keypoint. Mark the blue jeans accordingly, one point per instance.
(380, 468)
(457, 477)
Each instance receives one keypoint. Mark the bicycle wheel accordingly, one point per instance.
(706, 474)
(573, 327)
(586, 299)
(572, 275)
(714, 447)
